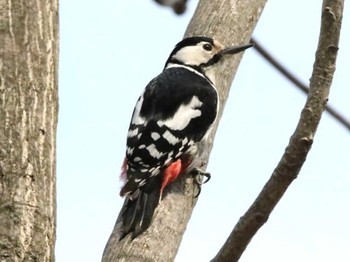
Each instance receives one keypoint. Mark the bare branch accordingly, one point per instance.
(300, 142)
(231, 22)
(298, 83)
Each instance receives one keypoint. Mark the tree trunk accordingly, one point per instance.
(231, 22)
(28, 119)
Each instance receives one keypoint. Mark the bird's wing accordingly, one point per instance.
(175, 110)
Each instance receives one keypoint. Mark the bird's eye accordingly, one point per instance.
(207, 47)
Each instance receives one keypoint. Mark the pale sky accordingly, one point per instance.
(110, 50)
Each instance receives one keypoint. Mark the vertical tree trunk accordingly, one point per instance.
(230, 22)
(28, 119)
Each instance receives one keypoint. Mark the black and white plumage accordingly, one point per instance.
(173, 115)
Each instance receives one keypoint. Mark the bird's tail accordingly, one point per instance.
(137, 211)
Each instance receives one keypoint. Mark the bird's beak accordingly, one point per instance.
(235, 49)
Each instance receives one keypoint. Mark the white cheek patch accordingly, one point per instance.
(193, 55)
(183, 115)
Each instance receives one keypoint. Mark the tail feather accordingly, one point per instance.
(137, 213)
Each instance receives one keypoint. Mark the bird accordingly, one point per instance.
(170, 124)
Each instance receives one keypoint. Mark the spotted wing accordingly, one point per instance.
(176, 110)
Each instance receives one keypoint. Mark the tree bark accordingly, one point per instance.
(28, 119)
(300, 143)
(230, 22)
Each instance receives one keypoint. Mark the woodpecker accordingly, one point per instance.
(171, 120)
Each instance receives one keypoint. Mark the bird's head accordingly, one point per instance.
(200, 53)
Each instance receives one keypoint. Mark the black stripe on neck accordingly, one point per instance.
(198, 68)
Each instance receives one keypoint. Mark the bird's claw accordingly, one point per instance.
(198, 179)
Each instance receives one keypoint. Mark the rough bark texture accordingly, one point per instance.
(300, 142)
(230, 22)
(28, 118)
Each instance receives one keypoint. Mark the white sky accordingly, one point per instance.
(111, 49)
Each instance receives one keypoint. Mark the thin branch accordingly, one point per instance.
(300, 142)
(291, 77)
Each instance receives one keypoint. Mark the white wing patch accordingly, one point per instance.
(173, 140)
(130, 150)
(155, 136)
(137, 159)
(155, 171)
(183, 115)
(132, 133)
(136, 118)
(154, 152)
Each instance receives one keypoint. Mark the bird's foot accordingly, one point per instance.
(198, 175)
